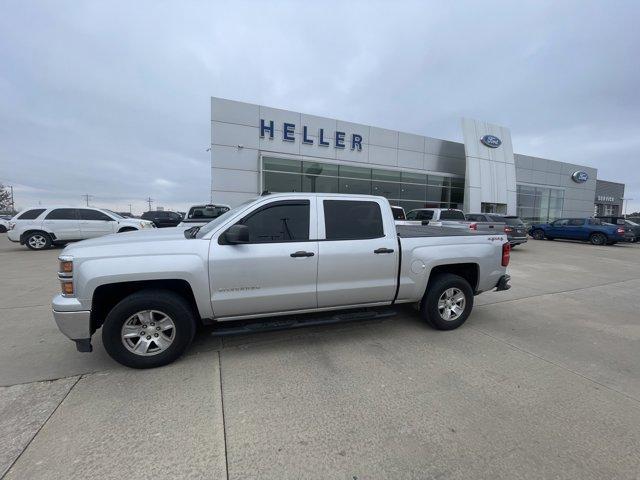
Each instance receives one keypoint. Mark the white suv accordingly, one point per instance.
(39, 228)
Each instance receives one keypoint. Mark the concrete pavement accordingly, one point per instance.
(543, 381)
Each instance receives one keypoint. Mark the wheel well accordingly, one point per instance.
(26, 233)
(105, 297)
(468, 271)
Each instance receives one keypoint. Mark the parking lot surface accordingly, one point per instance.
(543, 381)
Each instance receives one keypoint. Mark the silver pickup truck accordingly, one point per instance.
(277, 255)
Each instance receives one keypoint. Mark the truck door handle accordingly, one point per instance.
(302, 253)
(383, 250)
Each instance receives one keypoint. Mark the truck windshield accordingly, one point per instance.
(222, 218)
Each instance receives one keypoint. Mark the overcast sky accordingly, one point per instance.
(112, 98)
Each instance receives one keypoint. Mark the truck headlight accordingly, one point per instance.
(65, 274)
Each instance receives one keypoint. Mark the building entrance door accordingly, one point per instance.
(499, 208)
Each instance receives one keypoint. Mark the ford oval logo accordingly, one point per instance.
(580, 176)
(491, 141)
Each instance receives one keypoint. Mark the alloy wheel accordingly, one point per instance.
(148, 332)
(37, 242)
(451, 304)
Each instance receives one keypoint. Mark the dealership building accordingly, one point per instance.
(256, 148)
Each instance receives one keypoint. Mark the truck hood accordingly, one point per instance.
(134, 239)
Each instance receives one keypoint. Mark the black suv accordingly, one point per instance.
(515, 228)
(162, 218)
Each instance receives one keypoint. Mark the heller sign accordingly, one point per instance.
(288, 135)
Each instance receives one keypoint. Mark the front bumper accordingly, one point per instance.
(74, 324)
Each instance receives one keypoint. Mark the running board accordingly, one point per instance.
(269, 326)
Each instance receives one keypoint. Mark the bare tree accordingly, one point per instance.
(6, 199)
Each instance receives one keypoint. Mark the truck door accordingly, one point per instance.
(276, 271)
(358, 253)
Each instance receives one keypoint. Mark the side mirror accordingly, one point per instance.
(237, 234)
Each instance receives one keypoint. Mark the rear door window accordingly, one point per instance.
(352, 220)
(31, 214)
(576, 222)
(286, 221)
(62, 214)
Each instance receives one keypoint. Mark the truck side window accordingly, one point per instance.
(286, 221)
(352, 220)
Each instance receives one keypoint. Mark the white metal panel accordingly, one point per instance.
(383, 137)
(223, 179)
(409, 159)
(410, 141)
(234, 135)
(383, 155)
(230, 111)
(234, 157)
(277, 144)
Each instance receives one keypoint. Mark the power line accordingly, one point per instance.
(150, 201)
(87, 197)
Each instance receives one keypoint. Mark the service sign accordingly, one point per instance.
(491, 141)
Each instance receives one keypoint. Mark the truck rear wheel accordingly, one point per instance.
(448, 302)
(148, 329)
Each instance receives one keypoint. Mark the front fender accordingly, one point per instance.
(89, 274)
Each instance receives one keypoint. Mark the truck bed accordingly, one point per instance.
(415, 231)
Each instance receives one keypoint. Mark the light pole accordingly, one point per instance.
(625, 205)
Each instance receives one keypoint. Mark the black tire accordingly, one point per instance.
(436, 289)
(127, 229)
(38, 241)
(538, 234)
(166, 302)
(3, 229)
(598, 239)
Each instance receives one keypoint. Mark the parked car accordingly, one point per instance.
(162, 218)
(448, 217)
(4, 225)
(585, 229)
(515, 228)
(281, 254)
(200, 215)
(632, 229)
(39, 228)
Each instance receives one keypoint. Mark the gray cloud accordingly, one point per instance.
(112, 98)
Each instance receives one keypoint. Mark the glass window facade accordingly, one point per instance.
(539, 204)
(406, 189)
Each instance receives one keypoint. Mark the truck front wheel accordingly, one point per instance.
(448, 302)
(148, 329)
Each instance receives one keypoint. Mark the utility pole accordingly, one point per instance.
(149, 201)
(130, 208)
(87, 197)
